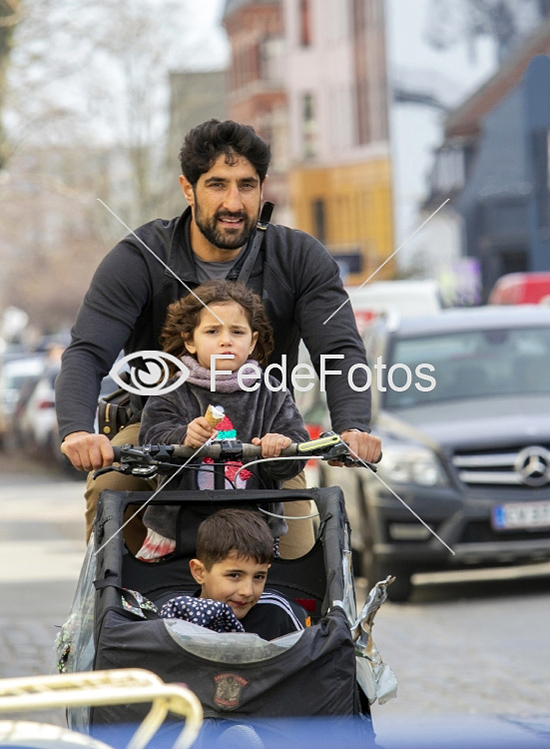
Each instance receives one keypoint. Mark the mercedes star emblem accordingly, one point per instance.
(533, 466)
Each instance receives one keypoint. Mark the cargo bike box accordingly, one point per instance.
(329, 669)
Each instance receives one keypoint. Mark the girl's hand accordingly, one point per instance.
(198, 432)
(272, 444)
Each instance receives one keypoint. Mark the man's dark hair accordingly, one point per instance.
(183, 316)
(206, 142)
(244, 533)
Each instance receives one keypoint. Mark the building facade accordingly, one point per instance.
(340, 177)
(310, 76)
(256, 86)
(494, 163)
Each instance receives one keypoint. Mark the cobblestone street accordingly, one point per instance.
(485, 652)
(41, 551)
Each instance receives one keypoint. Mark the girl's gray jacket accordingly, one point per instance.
(247, 415)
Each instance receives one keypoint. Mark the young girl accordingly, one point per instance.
(234, 324)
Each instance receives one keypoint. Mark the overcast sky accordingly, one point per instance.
(207, 19)
(460, 68)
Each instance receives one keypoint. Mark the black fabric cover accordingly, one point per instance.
(314, 677)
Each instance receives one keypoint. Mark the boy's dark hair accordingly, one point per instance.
(242, 532)
(206, 142)
(183, 316)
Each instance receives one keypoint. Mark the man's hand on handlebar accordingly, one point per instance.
(87, 451)
(365, 446)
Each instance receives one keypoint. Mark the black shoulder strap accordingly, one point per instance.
(252, 254)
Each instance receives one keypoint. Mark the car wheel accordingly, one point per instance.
(400, 590)
(374, 569)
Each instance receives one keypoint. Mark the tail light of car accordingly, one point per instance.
(44, 404)
(314, 431)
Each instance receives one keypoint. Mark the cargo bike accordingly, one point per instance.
(330, 669)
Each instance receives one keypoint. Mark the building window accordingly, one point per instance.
(309, 127)
(272, 60)
(541, 174)
(362, 73)
(449, 170)
(305, 23)
(319, 219)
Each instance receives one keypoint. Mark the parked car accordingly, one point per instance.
(34, 417)
(403, 297)
(461, 401)
(35, 426)
(520, 288)
(16, 370)
(387, 299)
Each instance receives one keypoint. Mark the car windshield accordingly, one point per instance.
(15, 382)
(467, 364)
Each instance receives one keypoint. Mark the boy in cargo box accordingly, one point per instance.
(234, 553)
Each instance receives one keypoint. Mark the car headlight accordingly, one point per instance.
(409, 464)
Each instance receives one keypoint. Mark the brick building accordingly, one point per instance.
(256, 85)
(310, 76)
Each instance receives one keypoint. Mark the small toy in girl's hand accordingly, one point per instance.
(213, 415)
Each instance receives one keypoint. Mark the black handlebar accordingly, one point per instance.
(219, 450)
(148, 460)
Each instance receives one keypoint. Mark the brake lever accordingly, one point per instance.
(130, 466)
(340, 452)
(101, 471)
(350, 462)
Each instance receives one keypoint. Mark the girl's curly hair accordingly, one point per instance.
(183, 317)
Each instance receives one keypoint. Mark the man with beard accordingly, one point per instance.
(224, 167)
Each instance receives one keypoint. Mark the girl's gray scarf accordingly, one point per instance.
(223, 383)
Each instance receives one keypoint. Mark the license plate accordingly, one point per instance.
(521, 515)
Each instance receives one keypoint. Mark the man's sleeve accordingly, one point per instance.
(118, 293)
(334, 344)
